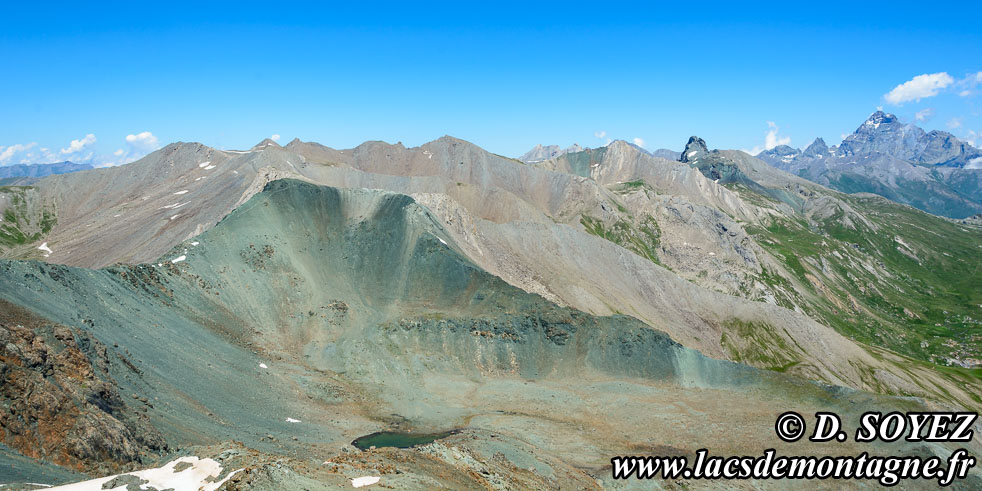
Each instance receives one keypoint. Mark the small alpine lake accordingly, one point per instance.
(398, 439)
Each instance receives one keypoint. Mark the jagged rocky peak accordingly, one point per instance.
(693, 149)
(818, 149)
(878, 118)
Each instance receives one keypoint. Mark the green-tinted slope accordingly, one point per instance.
(361, 310)
(909, 281)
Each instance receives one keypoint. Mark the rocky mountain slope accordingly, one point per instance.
(678, 233)
(932, 171)
(311, 315)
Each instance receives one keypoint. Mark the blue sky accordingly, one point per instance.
(109, 83)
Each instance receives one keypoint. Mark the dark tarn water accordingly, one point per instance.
(397, 439)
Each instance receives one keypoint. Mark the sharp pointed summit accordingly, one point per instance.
(693, 149)
(268, 142)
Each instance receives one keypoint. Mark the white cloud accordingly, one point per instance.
(639, 142)
(143, 141)
(600, 134)
(137, 146)
(771, 139)
(972, 138)
(7, 153)
(275, 138)
(975, 163)
(969, 83)
(954, 123)
(77, 146)
(925, 114)
(919, 87)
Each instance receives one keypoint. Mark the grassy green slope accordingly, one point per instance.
(911, 283)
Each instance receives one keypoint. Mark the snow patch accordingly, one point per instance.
(263, 365)
(210, 167)
(44, 248)
(194, 477)
(175, 216)
(178, 259)
(359, 482)
(181, 192)
(291, 420)
(204, 164)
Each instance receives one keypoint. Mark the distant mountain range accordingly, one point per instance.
(40, 170)
(930, 170)
(541, 153)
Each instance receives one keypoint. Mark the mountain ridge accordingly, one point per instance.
(933, 171)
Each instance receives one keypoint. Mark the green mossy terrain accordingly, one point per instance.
(22, 221)
(952, 199)
(581, 162)
(911, 282)
(641, 237)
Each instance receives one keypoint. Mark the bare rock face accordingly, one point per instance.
(58, 402)
(693, 149)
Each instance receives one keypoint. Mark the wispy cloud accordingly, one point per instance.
(602, 135)
(7, 154)
(639, 142)
(275, 137)
(969, 83)
(954, 123)
(925, 115)
(919, 87)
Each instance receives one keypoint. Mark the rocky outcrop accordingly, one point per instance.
(58, 401)
(693, 149)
